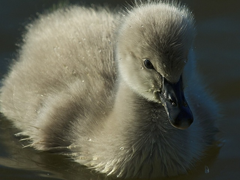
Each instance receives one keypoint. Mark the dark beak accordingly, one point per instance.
(172, 98)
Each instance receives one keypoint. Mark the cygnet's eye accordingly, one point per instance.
(148, 64)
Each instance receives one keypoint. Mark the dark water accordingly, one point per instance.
(218, 52)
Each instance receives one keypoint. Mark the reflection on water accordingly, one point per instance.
(217, 50)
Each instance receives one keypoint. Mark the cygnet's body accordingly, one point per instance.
(88, 87)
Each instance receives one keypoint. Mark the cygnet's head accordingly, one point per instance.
(152, 50)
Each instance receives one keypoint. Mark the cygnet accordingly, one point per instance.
(117, 92)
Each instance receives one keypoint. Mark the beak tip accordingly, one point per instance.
(182, 123)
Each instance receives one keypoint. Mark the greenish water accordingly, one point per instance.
(217, 49)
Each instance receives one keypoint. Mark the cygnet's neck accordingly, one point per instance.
(140, 130)
(134, 114)
(126, 104)
(125, 101)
